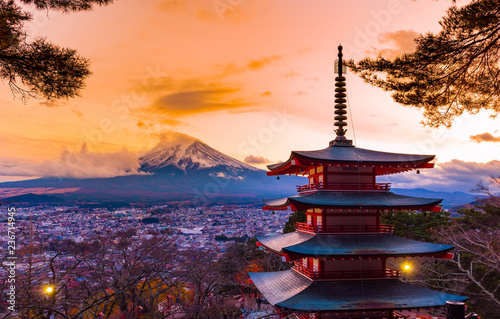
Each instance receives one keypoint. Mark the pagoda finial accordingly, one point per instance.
(340, 106)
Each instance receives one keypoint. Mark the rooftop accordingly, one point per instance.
(384, 162)
(298, 245)
(291, 290)
(356, 200)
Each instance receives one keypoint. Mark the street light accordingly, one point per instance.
(51, 294)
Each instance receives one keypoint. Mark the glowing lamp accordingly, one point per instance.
(406, 267)
(49, 289)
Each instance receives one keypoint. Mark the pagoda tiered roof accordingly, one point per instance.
(355, 200)
(290, 290)
(297, 245)
(340, 253)
(348, 155)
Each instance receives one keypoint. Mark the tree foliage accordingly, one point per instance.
(295, 217)
(476, 237)
(449, 73)
(36, 67)
(415, 225)
(475, 233)
(115, 276)
(121, 275)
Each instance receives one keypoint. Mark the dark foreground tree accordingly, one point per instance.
(40, 68)
(452, 72)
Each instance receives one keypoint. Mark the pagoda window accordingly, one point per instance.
(319, 220)
(315, 264)
(309, 220)
(310, 262)
(312, 171)
(319, 169)
(304, 262)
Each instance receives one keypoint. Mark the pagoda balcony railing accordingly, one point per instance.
(350, 275)
(381, 228)
(344, 186)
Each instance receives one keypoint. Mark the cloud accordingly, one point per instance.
(198, 101)
(402, 41)
(255, 160)
(484, 137)
(452, 176)
(147, 124)
(170, 100)
(300, 93)
(48, 103)
(79, 164)
(174, 6)
(291, 74)
(260, 63)
(252, 65)
(210, 11)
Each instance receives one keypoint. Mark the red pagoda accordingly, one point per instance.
(339, 255)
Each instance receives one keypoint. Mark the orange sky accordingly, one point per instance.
(248, 77)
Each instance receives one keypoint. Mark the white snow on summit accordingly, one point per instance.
(186, 152)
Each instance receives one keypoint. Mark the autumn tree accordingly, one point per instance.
(126, 276)
(117, 275)
(474, 270)
(36, 67)
(476, 237)
(449, 73)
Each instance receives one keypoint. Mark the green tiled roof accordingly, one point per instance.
(290, 290)
(301, 244)
(365, 200)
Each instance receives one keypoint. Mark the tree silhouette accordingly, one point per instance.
(452, 72)
(40, 68)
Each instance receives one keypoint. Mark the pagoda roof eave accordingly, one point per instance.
(352, 200)
(337, 155)
(298, 245)
(293, 291)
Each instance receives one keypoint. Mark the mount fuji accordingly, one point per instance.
(182, 153)
(178, 168)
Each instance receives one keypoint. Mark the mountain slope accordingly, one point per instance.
(186, 153)
(449, 199)
(33, 199)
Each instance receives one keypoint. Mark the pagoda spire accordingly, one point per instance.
(340, 106)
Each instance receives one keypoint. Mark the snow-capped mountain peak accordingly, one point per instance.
(186, 153)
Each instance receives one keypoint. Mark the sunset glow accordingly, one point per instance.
(252, 79)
